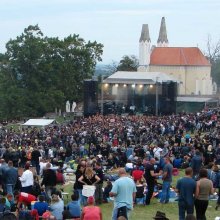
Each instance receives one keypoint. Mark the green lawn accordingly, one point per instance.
(148, 212)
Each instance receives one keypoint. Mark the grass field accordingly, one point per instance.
(148, 212)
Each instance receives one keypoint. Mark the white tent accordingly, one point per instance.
(38, 122)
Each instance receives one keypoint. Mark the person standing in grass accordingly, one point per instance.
(124, 191)
(167, 179)
(186, 188)
(150, 176)
(204, 187)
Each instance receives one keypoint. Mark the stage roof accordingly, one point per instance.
(195, 99)
(38, 122)
(139, 77)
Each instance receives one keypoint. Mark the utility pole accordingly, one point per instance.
(157, 96)
(102, 95)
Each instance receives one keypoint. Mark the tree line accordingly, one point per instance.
(39, 73)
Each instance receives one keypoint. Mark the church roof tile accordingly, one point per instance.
(179, 56)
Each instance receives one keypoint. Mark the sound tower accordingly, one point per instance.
(90, 97)
(169, 93)
(172, 91)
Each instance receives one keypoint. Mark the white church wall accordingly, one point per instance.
(187, 75)
(144, 56)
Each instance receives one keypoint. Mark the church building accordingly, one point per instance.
(188, 65)
(168, 79)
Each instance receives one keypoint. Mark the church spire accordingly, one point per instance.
(144, 48)
(162, 39)
(145, 36)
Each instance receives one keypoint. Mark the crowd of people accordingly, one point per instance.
(139, 150)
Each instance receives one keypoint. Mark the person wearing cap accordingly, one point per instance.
(160, 216)
(27, 179)
(91, 212)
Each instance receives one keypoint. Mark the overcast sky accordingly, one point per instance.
(114, 23)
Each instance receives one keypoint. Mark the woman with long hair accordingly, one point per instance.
(89, 178)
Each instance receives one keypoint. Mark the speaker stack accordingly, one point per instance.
(90, 97)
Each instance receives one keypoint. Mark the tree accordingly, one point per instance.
(40, 73)
(212, 50)
(128, 63)
(213, 54)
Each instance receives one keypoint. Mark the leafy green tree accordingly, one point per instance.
(40, 73)
(128, 63)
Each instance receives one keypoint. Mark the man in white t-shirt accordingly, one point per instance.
(157, 150)
(27, 179)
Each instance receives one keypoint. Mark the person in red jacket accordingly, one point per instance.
(22, 198)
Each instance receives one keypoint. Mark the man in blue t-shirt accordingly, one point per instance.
(41, 206)
(123, 191)
(167, 179)
(73, 207)
(186, 187)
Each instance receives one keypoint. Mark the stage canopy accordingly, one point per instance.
(139, 78)
(38, 122)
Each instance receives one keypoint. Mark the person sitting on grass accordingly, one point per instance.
(73, 209)
(91, 212)
(107, 190)
(3, 205)
(140, 192)
(57, 207)
(41, 206)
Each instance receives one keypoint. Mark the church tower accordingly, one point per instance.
(144, 49)
(162, 39)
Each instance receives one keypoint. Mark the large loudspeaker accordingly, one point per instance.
(164, 89)
(172, 90)
(90, 97)
(168, 97)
